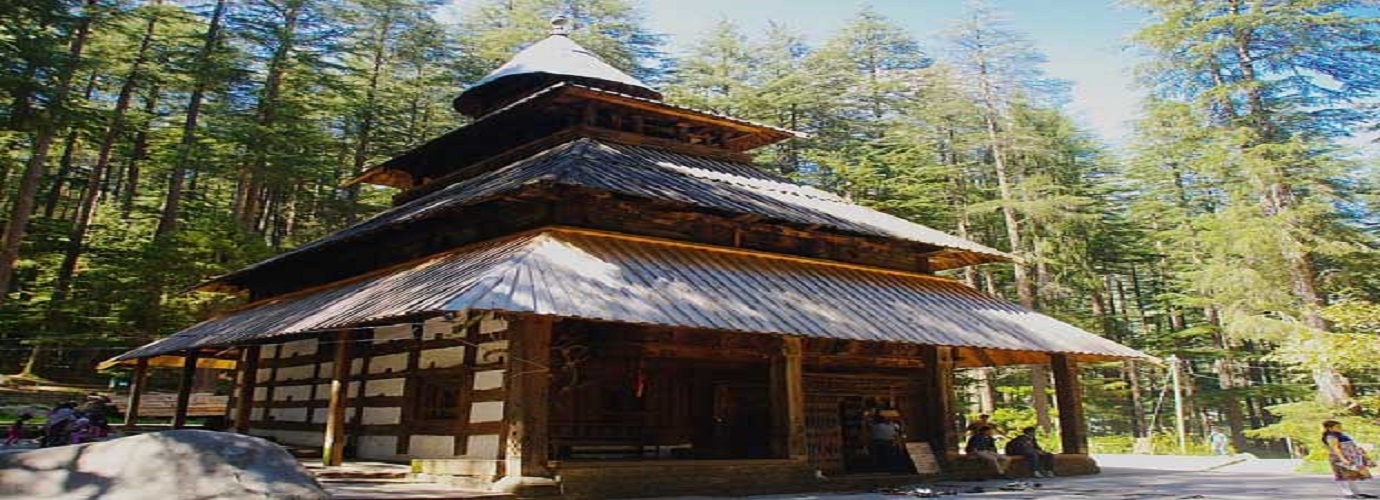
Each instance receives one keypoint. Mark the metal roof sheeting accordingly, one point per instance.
(662, 175)
(559, 55)
(603, 276)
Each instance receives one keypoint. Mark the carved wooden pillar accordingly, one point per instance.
(248, 368)
(136, 392)
(938, 380)
(527, 408)
(787, 386)
(333, 450)
(184, 389)
(1073, 431)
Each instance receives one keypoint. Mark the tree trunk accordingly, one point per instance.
(91, 195)
(1277, 200)
(366, 121)
(172, 203)
(43, 143)
(1025, 290)
(68, 152)
(138, 154)
(266, 117)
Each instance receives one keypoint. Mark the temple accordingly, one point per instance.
(586, 287)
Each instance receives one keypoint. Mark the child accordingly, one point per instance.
(17, 429)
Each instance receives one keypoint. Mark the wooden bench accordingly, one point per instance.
(162, 405)
(597, 437)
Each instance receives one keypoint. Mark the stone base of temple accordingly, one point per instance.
(662, 478)
(684, 477)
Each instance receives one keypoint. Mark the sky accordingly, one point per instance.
(1086, 41)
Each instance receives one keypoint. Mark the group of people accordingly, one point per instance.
(887, 454)
(982, 444)
(69, 423)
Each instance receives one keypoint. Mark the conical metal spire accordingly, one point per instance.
(554, 59)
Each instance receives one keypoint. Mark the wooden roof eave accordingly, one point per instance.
(382, 175)
(205, 362)
(754, 129)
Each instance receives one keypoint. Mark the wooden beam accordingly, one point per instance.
(632, 139)
(136, 391)
(333, 450)
(184, 389)
(938, 383)
(249, 380)
(1073, 431)
(788, 400)
(410, 390)
(526, 412)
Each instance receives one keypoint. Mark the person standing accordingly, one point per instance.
(885, 445)
(1025, 445)
(17, 429)
(1218, 440)
(1349, 462)
(983, 445)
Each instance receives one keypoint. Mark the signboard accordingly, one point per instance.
(923, 457)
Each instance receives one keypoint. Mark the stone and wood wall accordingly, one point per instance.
(428, 390)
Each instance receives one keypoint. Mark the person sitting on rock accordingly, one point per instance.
(1041, 462)
(983, 445)
(59, 423)
(82, 431)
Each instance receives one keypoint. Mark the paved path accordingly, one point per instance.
(1152, 477)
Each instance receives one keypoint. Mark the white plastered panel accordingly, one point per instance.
(488, 379)
(442, 358)
(431, 447)
(292, 393)
(486, 411)
(377, 447)
(297, 438)
(392, 333)
(381, 416)
(288, 414)
(385, 387)
(491, 324)
(492, 352)
(482, 446)
(301, 372)
(391, 363)
(299, 348)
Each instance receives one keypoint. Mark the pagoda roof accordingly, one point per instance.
(594, 275)
(657, 174)
(395, 171)
(555, 58)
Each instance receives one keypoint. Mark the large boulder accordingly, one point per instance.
(181, 464)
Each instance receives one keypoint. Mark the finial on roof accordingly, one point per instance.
(560, 25)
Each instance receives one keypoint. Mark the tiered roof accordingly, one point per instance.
(558, 120)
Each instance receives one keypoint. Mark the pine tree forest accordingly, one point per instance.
(148, 145)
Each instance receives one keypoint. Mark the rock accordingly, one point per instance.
(180, 464)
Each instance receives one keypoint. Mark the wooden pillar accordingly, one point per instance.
(787, 386)
(249, 381)
(938, 380)
(333, 450)
(184, 389)
(1073, 431)
(526, 410)
(136, 392)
